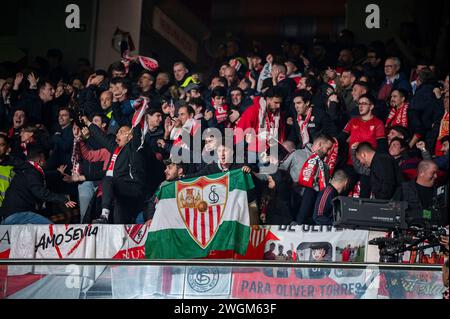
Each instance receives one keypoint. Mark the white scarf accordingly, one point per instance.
(264, 122)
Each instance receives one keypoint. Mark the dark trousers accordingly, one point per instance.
(125, 198)
(306, 209)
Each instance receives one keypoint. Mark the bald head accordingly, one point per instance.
(230, 75)
(427, 173)
(106, 99)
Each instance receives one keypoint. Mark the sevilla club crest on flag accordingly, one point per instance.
(201, 204)
(136, 232)
(258, 235)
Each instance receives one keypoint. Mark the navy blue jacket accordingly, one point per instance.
(323, 209)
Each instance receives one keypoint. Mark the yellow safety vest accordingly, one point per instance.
(6, 175)
(188, 80)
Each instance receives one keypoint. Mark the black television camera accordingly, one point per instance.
(408, 228)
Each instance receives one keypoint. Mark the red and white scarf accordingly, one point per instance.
(191, 126)
(303, 125)
(443, 131)
(140, 107)
(236, 64)
(220, 112)
(356, 191)
(23, 147)
(112, 163)
(38, 168)
(268, 121)
(146, 62)
(398, 116)
(76, 156)
(309, 170)
(332, 156)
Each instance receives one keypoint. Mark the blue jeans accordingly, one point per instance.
(26, 218)
(85, 192)
(140, 219)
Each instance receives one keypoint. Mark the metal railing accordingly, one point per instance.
(221, 262)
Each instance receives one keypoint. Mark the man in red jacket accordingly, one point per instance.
(265, 121)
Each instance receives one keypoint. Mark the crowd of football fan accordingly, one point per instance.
(352, 120)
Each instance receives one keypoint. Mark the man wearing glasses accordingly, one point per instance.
(365, 128)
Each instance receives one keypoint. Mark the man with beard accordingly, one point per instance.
(227, 161)
(385, 175)
(345, 86)
(310, 175)
(365, 128)
(310, 121)
(345, 60)
(400, 115)
(173, 172)
(265, 121)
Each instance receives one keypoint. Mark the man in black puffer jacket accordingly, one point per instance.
(124, 183)
(27, 192)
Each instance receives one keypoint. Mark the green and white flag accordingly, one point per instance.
(196, 216)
